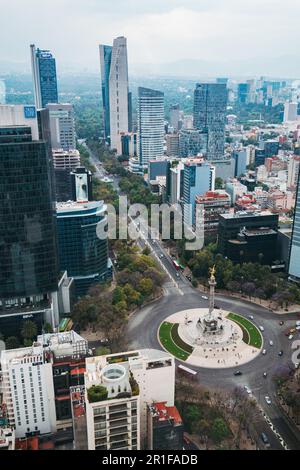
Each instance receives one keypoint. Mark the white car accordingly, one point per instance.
(298, 323)
(251, 317)
(268, 400)
(247, 389)
(204, 297)
(271, 343)
(291, 336)
(261, 328)
(161, 255)
(264, 352)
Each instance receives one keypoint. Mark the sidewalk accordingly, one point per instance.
(268, 304)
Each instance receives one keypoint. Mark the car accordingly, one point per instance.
(298, 328)
(261, 328)
(298, 323)
(264, 438)
(204, 297)
(280, 353)
(161, 255)
(177, 274)
(291, 336)
(237, 372)
(251, 317)
(281, 323)
(264, 352)
(296, 365)
(271, 343)
(292, 330)
(265, 374)
(268, 400)
(247, 389)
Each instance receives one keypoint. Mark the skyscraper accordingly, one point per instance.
(115, 92)
(62, 126)
(294, 267)
(44, 77)
(150, 124)
(28, 261)
(210, 100)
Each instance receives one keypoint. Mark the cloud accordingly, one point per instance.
(157, 31)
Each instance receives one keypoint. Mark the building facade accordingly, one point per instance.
(210, 102)
(81, 253)
(192, 142)
(151, 129)
(43, 68)
(115, 91)
(62, 126)
(294, 265)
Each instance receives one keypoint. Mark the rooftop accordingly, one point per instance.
(241, 214)
(73, 207)
(162, 413)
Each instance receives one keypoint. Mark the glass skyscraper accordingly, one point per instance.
(81, 253)
(44, 77)
(294, 267)
(105, 61)
(151, 128)
(210, 101)
(28, 258)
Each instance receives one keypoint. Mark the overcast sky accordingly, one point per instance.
(158, 31)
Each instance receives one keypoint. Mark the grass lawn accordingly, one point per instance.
(168, 334)
(251, 334)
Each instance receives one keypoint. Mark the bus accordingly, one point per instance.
(65, 325)
(190, 373)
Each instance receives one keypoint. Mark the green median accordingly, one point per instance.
(251, 334)
(171, 341)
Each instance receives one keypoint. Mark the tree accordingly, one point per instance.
(29, 331)
(219, 183)
(12, 342)
(219, 430)
(47, 328)
(146, 286)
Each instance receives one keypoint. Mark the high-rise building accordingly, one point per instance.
(214, 203)
(28, 392)
(290, 111)
(20, 115)
(81, 253)
(172, 145)
(2, 91)
(210, 101)
(174, 117)
(294, 265)
(293, 171)
(199, 177)
(44, 77)
(62, 126)
(129, 144)
(117, 109)
(28, 258)
(192, 142)
(243, 92)
(240, 162)
(150, 125)
(124, 385)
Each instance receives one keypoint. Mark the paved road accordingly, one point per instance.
(180, 295)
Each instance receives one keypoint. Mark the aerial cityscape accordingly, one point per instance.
(149, 230)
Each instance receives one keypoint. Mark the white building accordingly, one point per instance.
(293, 171)
(154, 373)
(151, 129)
(20, 115)
(290, 111)
(62, 126)
(66, 159)
(235, 189)
(118, 92)
(27, 388)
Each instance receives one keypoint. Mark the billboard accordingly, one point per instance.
(29, 112)
(81, 187)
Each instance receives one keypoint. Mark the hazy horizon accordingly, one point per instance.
(174, 37)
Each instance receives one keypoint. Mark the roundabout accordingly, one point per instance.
(210, 337)
(236, 343)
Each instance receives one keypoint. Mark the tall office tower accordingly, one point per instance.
(28, 261)
(199, 177)
(174, 117)
(294, 266)
(172, 145)
(210, 100)
(27, 388)
(290, 111)
(62, 126)
(117, 109)
(120, 387)
(151, 128)
(192, 142)
(242, 93)
(251, 91)
(44, 77)
(240, 162)
(2, 91)
(81, 253)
